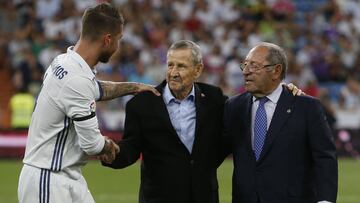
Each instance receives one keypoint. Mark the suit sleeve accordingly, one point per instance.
(323, 153)
(226, 140)
(130, 145)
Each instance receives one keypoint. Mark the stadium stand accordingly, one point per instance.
(321, 38)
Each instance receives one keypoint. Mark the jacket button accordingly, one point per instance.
(192, 162)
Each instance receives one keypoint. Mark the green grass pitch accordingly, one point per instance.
(121, 186)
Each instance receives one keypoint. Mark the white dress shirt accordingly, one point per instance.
(182, 114)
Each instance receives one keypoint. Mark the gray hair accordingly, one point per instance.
(276, 55)
(187, 44)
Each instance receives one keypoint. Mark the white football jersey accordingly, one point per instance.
(64, 129)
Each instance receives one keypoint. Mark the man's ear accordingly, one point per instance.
(277, 70)
(107, 39)
(198, 70)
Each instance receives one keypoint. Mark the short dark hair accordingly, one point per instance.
(187, 44)
(103, 18)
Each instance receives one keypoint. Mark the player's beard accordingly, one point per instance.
(105, 56)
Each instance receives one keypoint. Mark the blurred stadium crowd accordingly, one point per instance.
(321, 38)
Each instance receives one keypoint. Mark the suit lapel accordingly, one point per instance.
(282, 112)
(200, 106)
(247, 124)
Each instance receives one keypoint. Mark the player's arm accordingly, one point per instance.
(111, 90)
(77, 99)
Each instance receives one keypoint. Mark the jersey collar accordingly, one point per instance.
(84, 66)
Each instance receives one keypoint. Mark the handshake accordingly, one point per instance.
(109, 152)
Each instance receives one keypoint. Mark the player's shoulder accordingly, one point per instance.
(65, 60)
(66, 66)
(79, 85)
(62, 68)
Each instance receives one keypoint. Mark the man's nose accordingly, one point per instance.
(174, 72)
(246, 71)
(174, 75)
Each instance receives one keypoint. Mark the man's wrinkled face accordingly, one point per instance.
(257, 73)
(181, 71)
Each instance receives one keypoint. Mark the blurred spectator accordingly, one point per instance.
(302, 76)
(16, 45)
(347, 112)
(140, 75)
(39, 43)
(193, 23)
(283, 9)
(328, 107)
(346, 145)
(21, 105)
(204, 14)
(350, 94)
(31, 71)
(4, 58)
(214, 65)
(183, 9)
(46, 9)
(47, 54)
(9, 19)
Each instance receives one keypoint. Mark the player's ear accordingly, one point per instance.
(107, 39)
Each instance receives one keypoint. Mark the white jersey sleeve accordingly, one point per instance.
(78, 99)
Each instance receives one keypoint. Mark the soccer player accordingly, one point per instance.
(64, 129)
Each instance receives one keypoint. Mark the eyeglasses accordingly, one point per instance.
(253, 66)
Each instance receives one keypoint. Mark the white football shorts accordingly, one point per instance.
(38, 185)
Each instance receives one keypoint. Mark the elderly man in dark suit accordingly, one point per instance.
(178, 133)
(282, 146)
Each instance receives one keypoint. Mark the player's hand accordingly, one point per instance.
(294, 90)
(111, 149)
(106, 159)
(141, 87)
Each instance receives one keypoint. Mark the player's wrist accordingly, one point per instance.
(107, 146)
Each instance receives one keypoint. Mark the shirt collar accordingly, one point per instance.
(273, 96)
(84, 66)
(168, 97)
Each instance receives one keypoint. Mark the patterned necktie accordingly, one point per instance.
(260, 127)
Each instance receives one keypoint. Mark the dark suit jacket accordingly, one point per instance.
(169, 173)
(298, 161)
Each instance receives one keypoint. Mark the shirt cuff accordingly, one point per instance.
(324, 201)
